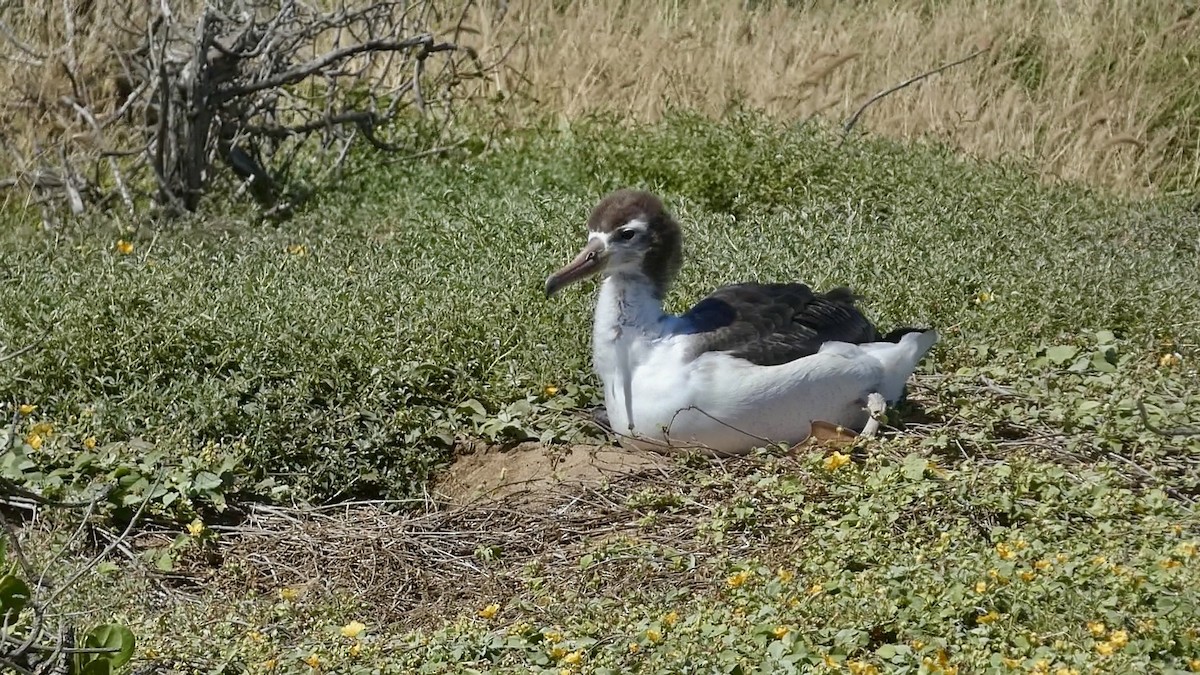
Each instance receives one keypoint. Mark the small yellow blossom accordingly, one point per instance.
(1021, 544)
(983, 297)
(1041, 666)
(1061, 558)
(981, 587)
(1194, 665)
(1119, 638)
(254, 636)
(780, 632)
(43, 428)
(553, 636)
(26, 409)
(670, 619)
(990, 617)
(816, 589)
(1005, 551)
(557, 652)
(1066, 671)
(196, 527)
(1097, 628)
(34, 441)
(1187, 549)
(1170, 360)
(994, 574)
(786, 575)
(1042, 565)
(1100, 560)
(297, 249)
(565, 671)
(574, 657)
(653, 636)
(489, 611)
(270, 664)
(90, 442)
(549, 390)
(1105, 648)
(1027, 575)
(313, 660)
(634, 647)
(290, 593)
(356, 649)
(828, 661)
(918, 645)
(862, 668)
(738, 579)
(1169, 563)
(836, 461)
(353, 629)
(125, 248)
(1011, 663)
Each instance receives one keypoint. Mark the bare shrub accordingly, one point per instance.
(132, 102)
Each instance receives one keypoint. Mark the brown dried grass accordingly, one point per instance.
(1086, 89)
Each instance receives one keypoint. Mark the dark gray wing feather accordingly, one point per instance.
(770, 324)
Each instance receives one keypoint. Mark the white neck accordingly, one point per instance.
(629, 318)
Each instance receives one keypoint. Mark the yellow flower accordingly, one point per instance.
(1194, 665)
(918, 645)
(1105, 648)
(1028, 575)
(1169, 563)
(1170, 360)
(1021, 544)
(90, 442)
(828, 661)
(297, 249)
(990, 617)
(653, 636)
(1066, 671)
(565, 671)
(34, 441)
(816, 589)
(196, 527)
(1042, 565)
(738, 579)
(1099, 560)
(557, 652)
(574, 657)
(780, 632)
(353, 629)
(670, 619)
(994, 574)
(1097, 628)
(313, 660)
(786, 575)
(125, 248)
(549, 390)
(26, 409)
(949, 670)
(290, 593)
(270, 664)
(254, 636)
(356, 649)
(862, 668)
(1187, 549)
(1041, 666)
(1011, 663)
(1005, 551)
(489, 611)
(981, 587)
(836, 461)
(1119, 638)
(554, 636)
(634, 647)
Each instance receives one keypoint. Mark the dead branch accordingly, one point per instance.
(1177, 431)
(186, 99)
(910, 81)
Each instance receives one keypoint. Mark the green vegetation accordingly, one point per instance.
(226, 362)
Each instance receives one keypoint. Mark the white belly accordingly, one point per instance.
(730, 405)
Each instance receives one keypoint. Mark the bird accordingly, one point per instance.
(750, 365)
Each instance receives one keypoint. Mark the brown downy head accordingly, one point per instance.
(629, 232)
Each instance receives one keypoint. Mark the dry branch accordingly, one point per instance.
(155, 100)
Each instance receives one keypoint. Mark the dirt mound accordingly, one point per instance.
(492, 472)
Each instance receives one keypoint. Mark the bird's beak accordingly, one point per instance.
(588, 262)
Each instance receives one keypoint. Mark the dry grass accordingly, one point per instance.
(1086, 89)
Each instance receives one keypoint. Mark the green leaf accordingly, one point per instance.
(915, 466)
(206, 480)
(111, 636)
(1060, 354)
(96, 666)
(14, 593)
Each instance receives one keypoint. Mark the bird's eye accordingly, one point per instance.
(627, 233)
